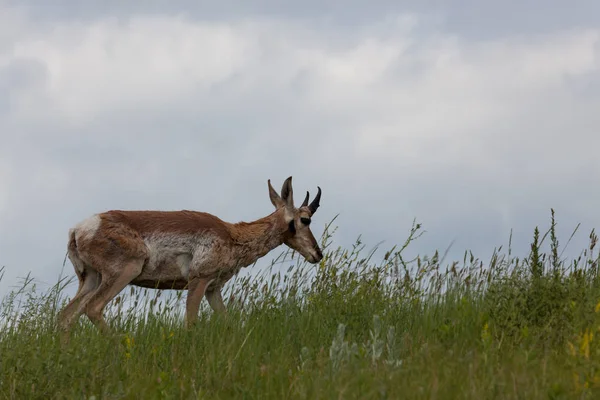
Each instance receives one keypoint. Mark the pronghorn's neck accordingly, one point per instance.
(253, 240)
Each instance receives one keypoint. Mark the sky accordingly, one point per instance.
(474, 118)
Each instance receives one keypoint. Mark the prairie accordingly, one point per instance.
(349, 327)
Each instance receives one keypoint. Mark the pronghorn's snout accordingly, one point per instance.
(317, 256)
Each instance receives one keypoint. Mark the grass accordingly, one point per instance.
(350, 327)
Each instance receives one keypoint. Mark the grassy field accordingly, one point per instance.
(506, 328)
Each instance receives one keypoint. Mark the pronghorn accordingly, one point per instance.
(179, 250)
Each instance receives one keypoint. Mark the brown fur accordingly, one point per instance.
(181, 222)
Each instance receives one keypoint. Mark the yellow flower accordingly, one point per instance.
(485, 333)
(571, 348)
(597, 309)
(587, 338)
(129, 343)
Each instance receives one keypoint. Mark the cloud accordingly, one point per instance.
(5, 185)
(395, 119)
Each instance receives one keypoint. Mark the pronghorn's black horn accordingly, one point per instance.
(305, 202)
(315, 203)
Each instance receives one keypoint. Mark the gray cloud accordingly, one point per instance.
(480, 20)
(396, 118)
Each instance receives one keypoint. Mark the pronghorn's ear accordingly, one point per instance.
(287, 193)
(275, 198)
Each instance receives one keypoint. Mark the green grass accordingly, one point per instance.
(350, 327)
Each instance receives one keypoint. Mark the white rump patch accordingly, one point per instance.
(87, 228)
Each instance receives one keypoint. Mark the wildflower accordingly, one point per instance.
(571, 348)
(129, 342)
(165, 337)
(486, 337)
(586, 339)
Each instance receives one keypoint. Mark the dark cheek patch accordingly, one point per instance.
(292, 227)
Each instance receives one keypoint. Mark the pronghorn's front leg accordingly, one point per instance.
(197, 289)
(215, 299)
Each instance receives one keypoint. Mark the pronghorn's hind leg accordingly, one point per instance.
(65, 314)
(117, 254)
(89, 281)
(88, 278)
(112, 283)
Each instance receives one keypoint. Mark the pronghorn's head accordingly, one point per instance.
(298, 235)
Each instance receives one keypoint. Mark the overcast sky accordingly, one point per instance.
(473, 118)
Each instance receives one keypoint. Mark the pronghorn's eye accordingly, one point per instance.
(292, 226)
(305, 221)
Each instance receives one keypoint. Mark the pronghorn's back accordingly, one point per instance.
(185, 222)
